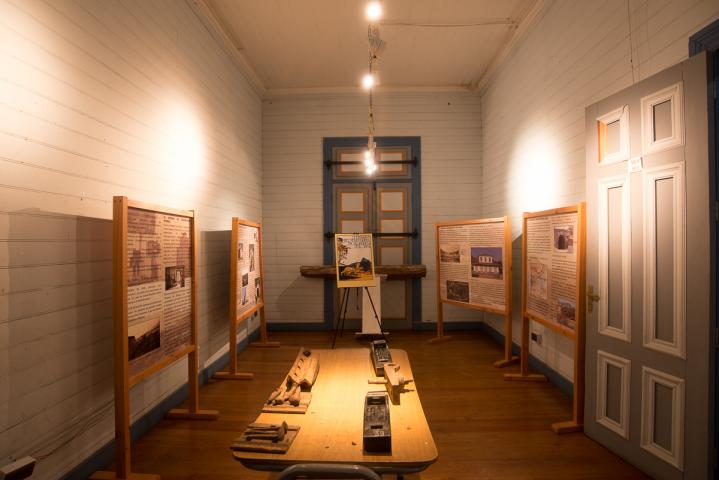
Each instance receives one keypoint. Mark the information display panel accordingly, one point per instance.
(154, 304)
(552, 263)
(246, 289)
(553, 285)
(159, 288)
(474, 270)
(248, 279)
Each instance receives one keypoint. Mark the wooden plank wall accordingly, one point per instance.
(293, 128)
(533, 109)
(101, 98)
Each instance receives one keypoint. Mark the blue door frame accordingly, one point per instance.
(328, 208)
(707, 40)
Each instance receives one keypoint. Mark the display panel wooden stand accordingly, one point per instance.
(123, 380)
(235, 318)
(508, 358)
(264, 341)
(576, 335)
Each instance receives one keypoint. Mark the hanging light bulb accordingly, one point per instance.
(371, 169)
(368, 81)
(368, 158)
(373, 11)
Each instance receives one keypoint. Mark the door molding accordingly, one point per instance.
(675, 172)
(605, 359)
(651, 377)
(603, 187)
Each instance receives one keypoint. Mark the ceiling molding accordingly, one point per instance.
(530, 17)
(208, 12)
(281, 92)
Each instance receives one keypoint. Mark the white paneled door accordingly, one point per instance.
(648, 270)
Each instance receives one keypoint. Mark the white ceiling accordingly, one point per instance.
(322, 44)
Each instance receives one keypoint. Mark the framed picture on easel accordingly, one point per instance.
(354, 260)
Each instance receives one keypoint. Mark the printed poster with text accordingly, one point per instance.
(354, 260)
(471, 264)
(249, 283)
(552, 244)
(159, 293)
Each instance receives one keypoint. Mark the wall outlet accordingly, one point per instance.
(536, 337)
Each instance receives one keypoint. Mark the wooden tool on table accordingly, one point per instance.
(266, 438)
(293, 395)
(394, 382)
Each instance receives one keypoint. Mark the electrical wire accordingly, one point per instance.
(483, 23)
(92, 421)
(631, 44)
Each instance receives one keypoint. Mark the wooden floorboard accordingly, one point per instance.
(484, 427)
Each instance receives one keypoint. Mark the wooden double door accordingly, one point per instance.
(383, 204)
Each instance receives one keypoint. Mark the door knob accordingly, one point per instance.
(591, 298)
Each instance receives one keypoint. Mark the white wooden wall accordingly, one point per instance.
(101, 98)
(293, 129)
(533, 109)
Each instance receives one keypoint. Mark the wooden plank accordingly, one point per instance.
(261, 262)
(477, 306)
(398, 272)
(164, 362)
(233, 307)
(555, 327)
(193, 360)
(119, 311)
(508, 359)
(160, 209)
(440, 309)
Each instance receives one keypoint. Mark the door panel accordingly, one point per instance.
(647, 231)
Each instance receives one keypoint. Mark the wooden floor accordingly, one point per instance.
(484, 427)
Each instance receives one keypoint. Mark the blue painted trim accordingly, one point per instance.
(105, 455)
(552, 375)
(705, 39)
(415, 145)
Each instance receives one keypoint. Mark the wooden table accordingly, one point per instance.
(331, 430)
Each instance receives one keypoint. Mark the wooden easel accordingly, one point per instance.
(508, 358)
(123, 380)
(576, 424)
(235, 319)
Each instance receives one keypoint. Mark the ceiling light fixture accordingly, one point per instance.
(373, 11)
(375, 46)
(368, 81)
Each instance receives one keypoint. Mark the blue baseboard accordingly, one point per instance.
(552, 375)
(106, 454)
